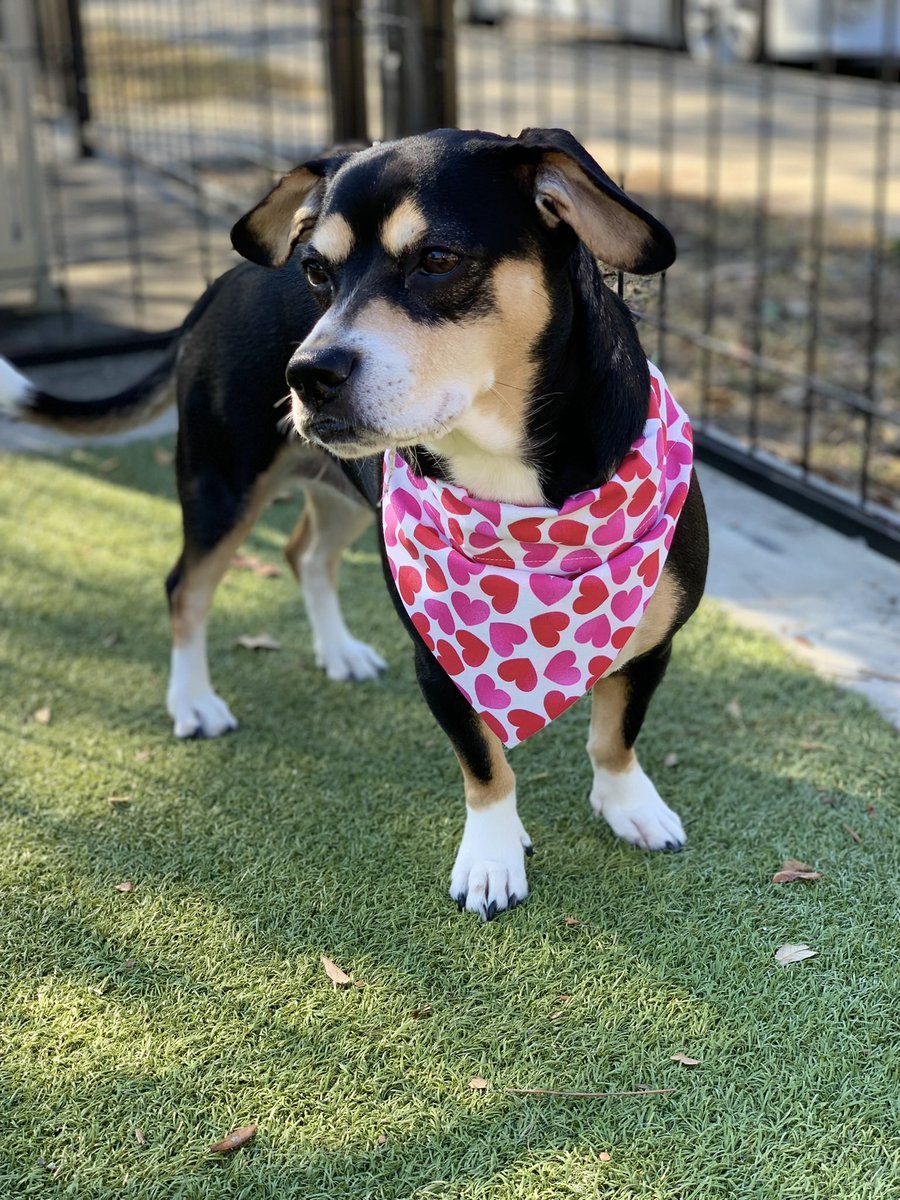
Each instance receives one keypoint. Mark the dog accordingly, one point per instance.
(460, 363)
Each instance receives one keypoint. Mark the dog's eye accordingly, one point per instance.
(316, 275)
(438, 262)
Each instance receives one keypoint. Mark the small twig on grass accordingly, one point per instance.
(588, 1095)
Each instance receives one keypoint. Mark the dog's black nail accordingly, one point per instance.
(461, 901)
(491, 911)
(529, 849)
(513, 900)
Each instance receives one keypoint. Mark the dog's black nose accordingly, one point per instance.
(318, 375)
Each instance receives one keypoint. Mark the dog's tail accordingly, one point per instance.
(23, 400)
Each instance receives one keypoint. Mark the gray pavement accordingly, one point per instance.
(833, 602)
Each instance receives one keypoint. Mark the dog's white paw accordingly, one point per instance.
(634, 810)
(345, 658)
(489, 873)
(204, 715)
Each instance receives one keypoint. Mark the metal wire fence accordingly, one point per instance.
(779, 179)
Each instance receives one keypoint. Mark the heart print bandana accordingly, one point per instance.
(524, 607)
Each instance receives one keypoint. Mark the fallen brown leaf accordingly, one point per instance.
(734, 709)
(333, 971)
(262, 641)
(871, 810)
(852, 833)
(477, 1084)
(119, 801)
(685, 1060)
(237, 1137)
(142, 756)
(793, 869)
(382, 1139)
(671, 760)
(425, 1011)
(792, 953)
(125, 886)
(139, 1136)
(604, 1156)
(252, 562)
(110, 639)
(163, 456)
(829, 801)
(554, 1016)
(571, 921)
(42, 716)
(128, 964)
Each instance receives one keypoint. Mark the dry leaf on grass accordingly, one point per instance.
(142, 756)
(604, 1156)
(139, 1136)
(734, 709)
(333, 971)
(382, 1139)
(252, 562)
(671, 760)
(793, 869)
(685, 1060)
(125, 886)
(237, 1137)
(852, 833)
(262, 641)
(110, 639)
(42, 716)
(555, 1016)
(425, 1011)
(477, 1084)
(119, 801)
(793, 952)
(163, 457)
(571, 921)
(871, 810)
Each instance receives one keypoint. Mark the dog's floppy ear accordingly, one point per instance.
(268, 233)
(570, 187)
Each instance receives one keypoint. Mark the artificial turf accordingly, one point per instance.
(139, 1026)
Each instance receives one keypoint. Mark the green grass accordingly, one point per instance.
(328, 825)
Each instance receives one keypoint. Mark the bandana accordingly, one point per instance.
(525, 607)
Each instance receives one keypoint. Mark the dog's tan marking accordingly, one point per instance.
(405, 226)
(606, 743)
(659, 617)
(333, 239)
(481, 794)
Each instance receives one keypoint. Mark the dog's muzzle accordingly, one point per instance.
(317, 376)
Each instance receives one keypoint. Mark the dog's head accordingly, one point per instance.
(433, 260)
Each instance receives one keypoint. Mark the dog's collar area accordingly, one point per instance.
(527, 607)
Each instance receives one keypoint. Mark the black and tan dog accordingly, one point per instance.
(452, 307)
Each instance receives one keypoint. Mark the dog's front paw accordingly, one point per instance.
(634, 810)
(489, 872)
(200, 715)
(345, 658)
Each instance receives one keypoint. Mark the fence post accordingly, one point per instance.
(419, 69)
(343, 32)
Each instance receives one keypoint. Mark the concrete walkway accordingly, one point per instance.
(831, 600)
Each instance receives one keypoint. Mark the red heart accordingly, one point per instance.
(525, 723)
(504, 592)
(448, 658)
(453, 505)
(556, 703)
(496, 726)
(520, 672)
(409, 581)
(526, 529)
(642, 498)
(591, 594)
(428, 537)
(612, 496)
(598, 665)
(568, 532)
(621, 635)
(409, 546)
(422, 625)
(434, 576)
(496, 558)
(548, 626)
(649, 569)
(630, 466)
(473, 648)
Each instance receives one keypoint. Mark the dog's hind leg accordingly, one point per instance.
(330, 522)
(209, 545)
(622, 793)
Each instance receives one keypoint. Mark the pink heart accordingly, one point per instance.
(580, 560)
(550, 589)
(439, 612)
(505, 637)
(487, 508)
(621, 565)
(461, 568)
(471, 612)
(596, 631)
(625, 603)
(540, 555)
(483, 535)
(611, 531)
(404, 502)
(561, 668)
(489, 695)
